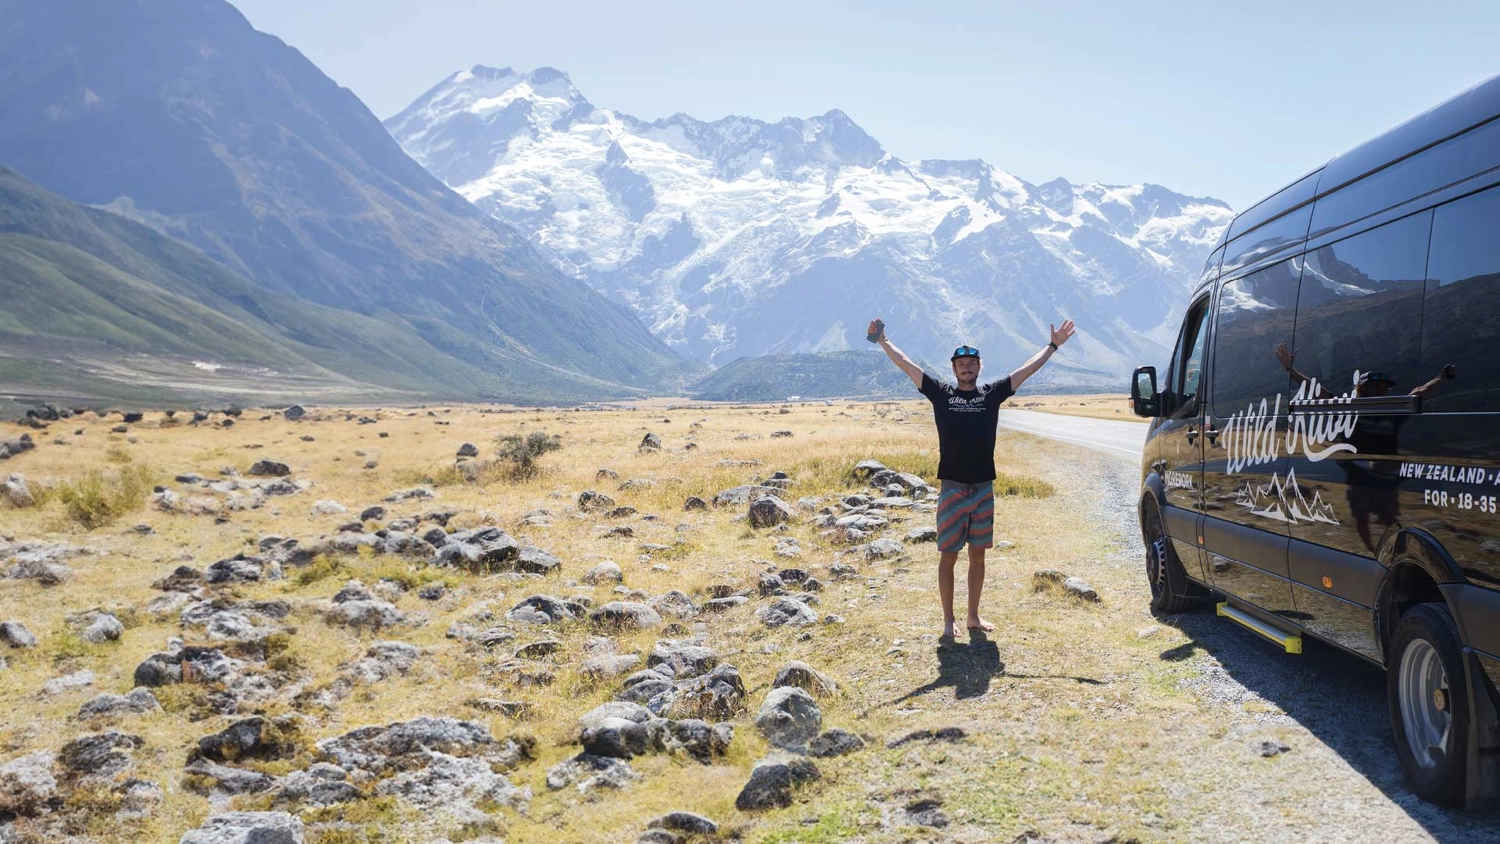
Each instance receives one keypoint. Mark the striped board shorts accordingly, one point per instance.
(965, 513)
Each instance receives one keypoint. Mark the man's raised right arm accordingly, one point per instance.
(897, 356)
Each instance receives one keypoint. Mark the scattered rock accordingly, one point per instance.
(675, 603)
(103, 627)
(1079, 588)
(787, 611)
(15, 634)
(230, 780)
(11, 448)
(693, 502)
(545, 609)
(881, 549)
(137, 702)
(376, 513)
(789, 718)
(606, 572)
(589, 772)
(625, 615)
(608, 666)
(15, 491)
(247, 828)
(251, 738)
(101, 755)
(651, 442)
(293, 413)
(590, 501)
(1271, 748)
(68, 682)
(413, 494)
(922, 534)
(27, 786)
(270, 468)
(834, 743)
(468, 450)
(769, 511)
(533, 560)
(328, 507)
(742, 495)
(803, 676)
(773, 783)
(1042, 579)
(687, 823)
(321, 784)
(926, 811)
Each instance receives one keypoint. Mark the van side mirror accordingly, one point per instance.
(1144, 399)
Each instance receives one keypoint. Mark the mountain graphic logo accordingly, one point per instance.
(1284, 501)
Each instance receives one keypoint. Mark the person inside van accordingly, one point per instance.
(966, 415)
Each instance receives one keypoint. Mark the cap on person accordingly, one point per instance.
(1375, 377)
(965, 352)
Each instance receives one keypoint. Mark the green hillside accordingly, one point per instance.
(99, 298)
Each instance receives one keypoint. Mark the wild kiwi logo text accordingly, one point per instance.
(1250, 434)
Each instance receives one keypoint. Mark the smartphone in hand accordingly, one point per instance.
(877, 331)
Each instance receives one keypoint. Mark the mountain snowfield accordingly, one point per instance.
(738, 237)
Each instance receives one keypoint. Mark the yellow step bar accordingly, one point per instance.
(1292, 642)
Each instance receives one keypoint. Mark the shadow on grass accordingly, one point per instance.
(969, 668)
(1339, 698)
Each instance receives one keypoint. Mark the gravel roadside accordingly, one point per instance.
(1340, 780)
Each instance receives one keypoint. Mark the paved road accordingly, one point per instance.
(1118, 439)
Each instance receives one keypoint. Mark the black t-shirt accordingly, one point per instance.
(966, 421)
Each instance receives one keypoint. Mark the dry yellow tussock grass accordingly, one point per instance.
(1066, 731)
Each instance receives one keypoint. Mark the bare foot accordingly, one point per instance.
(950, 631)
(977, 623)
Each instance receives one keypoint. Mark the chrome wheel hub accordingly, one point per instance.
(1156, 564)
(1426, 710)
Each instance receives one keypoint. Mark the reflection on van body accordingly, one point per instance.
(1326, 447)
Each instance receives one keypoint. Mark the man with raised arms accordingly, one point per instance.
(966, 415)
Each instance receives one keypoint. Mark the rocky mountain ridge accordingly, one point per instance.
(739, 237)
(179, 114)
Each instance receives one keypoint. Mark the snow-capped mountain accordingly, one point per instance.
(739, 237)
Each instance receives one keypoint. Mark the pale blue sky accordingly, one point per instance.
(1218, 99)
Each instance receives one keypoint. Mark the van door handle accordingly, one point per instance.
(1211, 434)
(1192, 434)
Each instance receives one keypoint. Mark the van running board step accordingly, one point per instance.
(1292, 642)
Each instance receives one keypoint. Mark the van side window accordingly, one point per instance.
(1255, 316)
(1187, 370)
(1461, 325)
(1359, 313)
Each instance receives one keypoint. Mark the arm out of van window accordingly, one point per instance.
(1449, 372)
(1030, 367)
(1298, 377)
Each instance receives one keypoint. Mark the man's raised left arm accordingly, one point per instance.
(1030, 367)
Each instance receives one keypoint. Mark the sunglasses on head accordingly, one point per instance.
(965, 352)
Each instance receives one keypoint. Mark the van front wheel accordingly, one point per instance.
(1429, 703)
(1164, 572)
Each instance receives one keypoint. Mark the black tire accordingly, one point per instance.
(1427, 636)
(1164, 572)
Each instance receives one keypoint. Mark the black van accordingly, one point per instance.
(1324, 451)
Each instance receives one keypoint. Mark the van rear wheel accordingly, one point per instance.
(1169, 583)
(1429, 703)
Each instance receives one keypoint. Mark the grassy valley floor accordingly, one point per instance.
(1078, 721)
